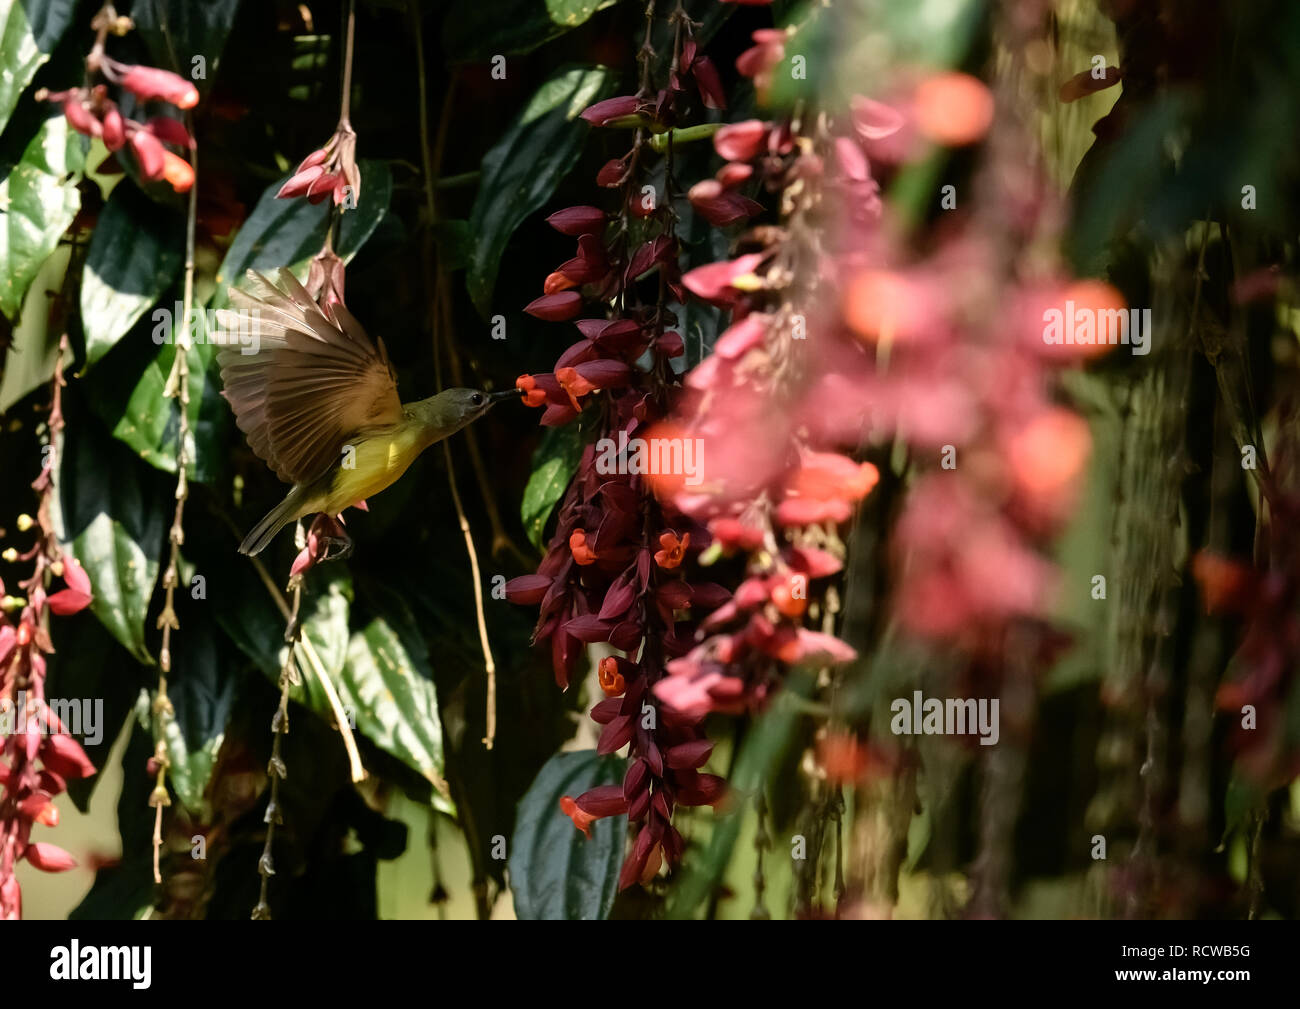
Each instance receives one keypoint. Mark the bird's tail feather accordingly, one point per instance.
(276, 519)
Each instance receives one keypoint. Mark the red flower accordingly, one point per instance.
(150, 154)
(714, 281)
(533, 396)
(741, 141)
(149, 83)
(582, 553)
(611, 680)
(77, 596)
(581, 820)
(672, 549)
(49, 857)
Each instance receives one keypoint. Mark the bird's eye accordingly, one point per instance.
(476, 399)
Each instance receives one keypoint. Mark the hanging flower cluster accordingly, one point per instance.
(613, 572)
(38, 756)
(843, 340)
(90, 111)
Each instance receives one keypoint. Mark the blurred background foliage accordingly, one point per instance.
(1153, 189)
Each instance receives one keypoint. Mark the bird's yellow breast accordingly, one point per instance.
(371, 463)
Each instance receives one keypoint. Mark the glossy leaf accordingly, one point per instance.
(38, 200)
(115, 524)
(29, 31)
(554, 463)
(135, 254)
(521, 171)
(557, 872)
(476, 31)
(189, 31)
(388, 685)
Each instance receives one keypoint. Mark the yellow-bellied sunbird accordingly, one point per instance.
(318, 402)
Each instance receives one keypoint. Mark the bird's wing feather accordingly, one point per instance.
(314, 383)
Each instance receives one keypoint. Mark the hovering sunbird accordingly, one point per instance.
(318, 402)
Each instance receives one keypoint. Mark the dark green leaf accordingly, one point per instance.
(185, 36)
(556, 872)
(554, 463)
(202, 692)
(29, 31)
(38, 200)
(388, 685)
(112, 515)
(135, 253)
(477, 31)
(29, 361)
(521, 172)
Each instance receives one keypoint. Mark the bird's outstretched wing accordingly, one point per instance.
(315, 381)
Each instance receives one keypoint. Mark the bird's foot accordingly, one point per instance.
(335, 548)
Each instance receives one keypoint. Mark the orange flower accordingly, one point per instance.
(178, 172)
(582, 553)
(825, 476)
(557, 282)
(574, 384)
(533, 396)
(581, 820)
(611, 680)
(790, 596)
(673, 551)
(953, 109)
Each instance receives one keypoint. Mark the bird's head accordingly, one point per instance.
(453, 409)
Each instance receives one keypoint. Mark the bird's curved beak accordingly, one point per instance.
(497, 397)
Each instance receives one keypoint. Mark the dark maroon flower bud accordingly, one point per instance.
(170, 131)
(611, 109)
(616, 735)
(611, 173)
(149, 152)
(588, 628)
(703, 789)
(670, 344)
(690, 755)
(577, 221)
(709, 83)
(636, 780)
(555, 307)
(603, 800)
(527, 590)
(720, 206)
